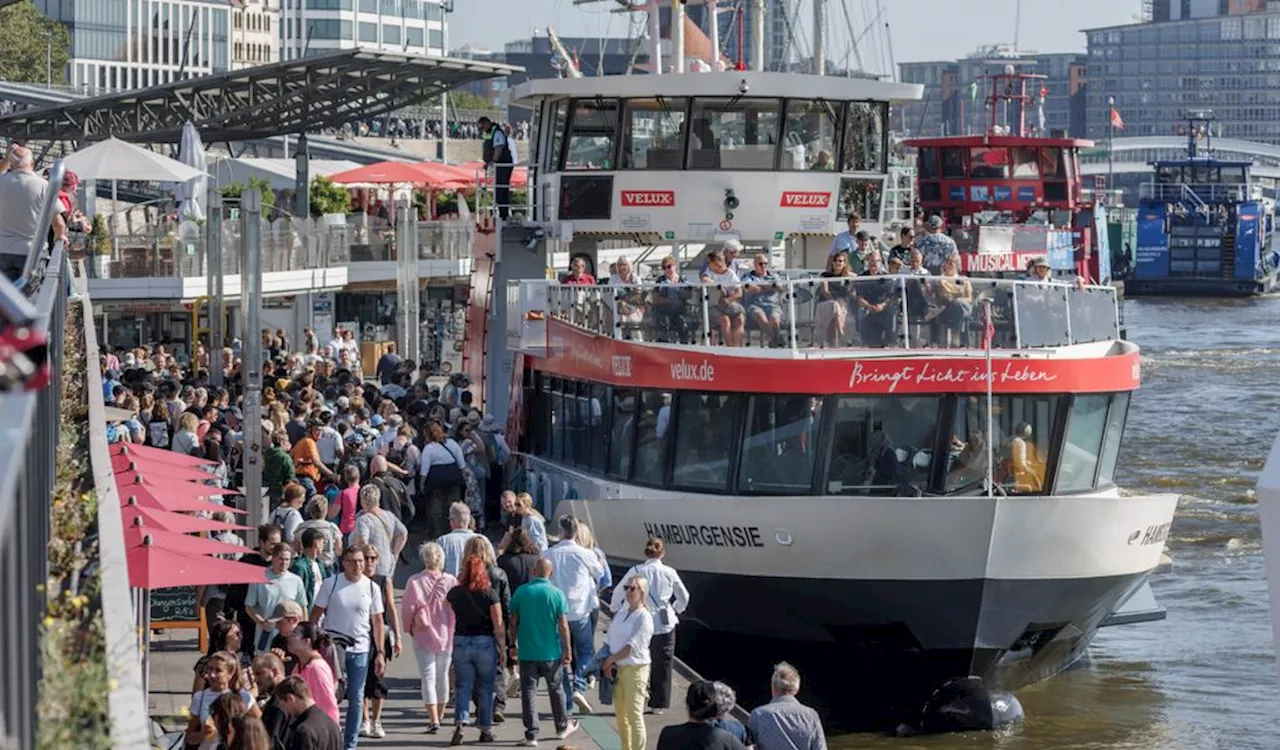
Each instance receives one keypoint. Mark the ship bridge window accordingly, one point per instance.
(653, 134)
(559, 121)
(865, 145)
(881, 446)
(1234, 176)
(1111, 445)
(734, 133)
(592, 135)
(1023, 429)
(706, 430)
(1052, 164)
(1082, 446)
(1026, 164)
(778, 445)
(809, 137)
(927, 163)
(653, 430)
(953, 164)
(987, 163)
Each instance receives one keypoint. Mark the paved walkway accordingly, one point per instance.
(174, 653)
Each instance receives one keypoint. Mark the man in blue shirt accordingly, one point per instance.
(387, 364)
(784, 723)
(935, 246)
(844, 242)
(497, 152)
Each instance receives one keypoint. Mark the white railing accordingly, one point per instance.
(884, 312)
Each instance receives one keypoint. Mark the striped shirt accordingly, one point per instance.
(786, 724)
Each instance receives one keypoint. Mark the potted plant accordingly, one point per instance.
(99, 246)
(330, 201)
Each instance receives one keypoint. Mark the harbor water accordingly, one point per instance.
(1205, 678)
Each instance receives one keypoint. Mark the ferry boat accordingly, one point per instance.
(1011, 195)
(1204, 227)
(926, 493)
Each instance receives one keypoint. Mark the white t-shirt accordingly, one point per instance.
(347, 608)
(726, 278)
(202, 701)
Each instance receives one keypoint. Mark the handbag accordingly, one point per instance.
(661, 613)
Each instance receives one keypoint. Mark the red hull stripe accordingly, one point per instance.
(577, 354)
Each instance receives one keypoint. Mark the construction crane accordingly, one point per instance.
(569, 65)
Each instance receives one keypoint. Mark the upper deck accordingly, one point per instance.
(698, 157)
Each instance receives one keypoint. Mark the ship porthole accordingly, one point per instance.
(783, 536)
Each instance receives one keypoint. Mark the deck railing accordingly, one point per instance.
(885, 312)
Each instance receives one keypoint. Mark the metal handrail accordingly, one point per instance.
(47, 211)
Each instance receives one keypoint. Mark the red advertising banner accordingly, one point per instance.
(578, 354)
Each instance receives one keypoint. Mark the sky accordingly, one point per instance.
(920, 29)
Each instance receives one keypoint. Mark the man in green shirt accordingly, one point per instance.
(277, 466)
(540, 630)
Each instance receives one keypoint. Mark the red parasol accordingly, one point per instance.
(169, 484)
(154, 567)
(150, 467)
(155, 454)
(175, 522)
(191, 545)
(474, 169)
(173, 502)
(385, 173)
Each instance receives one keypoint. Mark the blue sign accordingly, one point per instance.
(956, 192)
(1026, 193)
(978, 193)
(1004, 193)
(1060, 250)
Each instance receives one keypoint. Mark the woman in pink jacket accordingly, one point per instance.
(428, 618)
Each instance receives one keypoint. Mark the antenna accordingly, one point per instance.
(1017, 22)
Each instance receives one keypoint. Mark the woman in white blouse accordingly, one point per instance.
(667, 598)
(628, 641)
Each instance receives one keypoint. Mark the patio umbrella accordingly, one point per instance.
(169, 484)
(174, 502)
(385, 173)
(175, 522)
(146, 466)
(192, 545)
(190, 193)
(156, 454)
(152, 566)
(519, 175)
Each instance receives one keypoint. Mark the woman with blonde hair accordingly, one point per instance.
(628, 641)
(586, 540)
(532, 520)
(429, 622)
(668, 598)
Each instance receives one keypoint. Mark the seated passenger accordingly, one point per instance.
(833, 300)
(671, 304)
(578, 273)
(728, 315)
(953, 295)
(822, 162)
(763, 311)
(1025, 462)
(629, 298)
(878, 298)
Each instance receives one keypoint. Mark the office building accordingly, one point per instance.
(255, 33)
(314, 27)
(1219, 55)
(125, 44)
(952, 105)
(736, 30)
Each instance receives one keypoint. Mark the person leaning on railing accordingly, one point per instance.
(22, 197)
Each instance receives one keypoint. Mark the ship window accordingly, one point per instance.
(622, 432)
(953, 164)
(989, 163)
(559, 120)
(1083, 444)
(1026, 164)
(778, 444)
(881, 446)
(653, 430)
(1234, 175)
(1052, 165)
(927, 163)
(1111, 445)
(864, 134)
(809, 137)
(557, 419)
(1023, 427)
(706, 430)
(592, 135)
(571, 417)
(597, 417)
(860, 194)
(653, 134)
(734, 133)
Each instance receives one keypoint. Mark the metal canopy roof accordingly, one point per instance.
(294, 96)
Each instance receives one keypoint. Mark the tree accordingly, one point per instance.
(328, 198)
(29, 41)
(233, 191)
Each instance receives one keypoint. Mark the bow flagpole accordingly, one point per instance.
(988, 333)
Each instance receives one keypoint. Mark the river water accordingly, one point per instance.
(1205, 678)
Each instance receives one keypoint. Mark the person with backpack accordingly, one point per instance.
(288, 515)
(441, 479)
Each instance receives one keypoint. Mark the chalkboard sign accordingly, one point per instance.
(177, 608)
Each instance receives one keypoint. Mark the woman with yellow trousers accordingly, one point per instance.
(628, 641)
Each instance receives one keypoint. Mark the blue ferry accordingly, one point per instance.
(1204, 227)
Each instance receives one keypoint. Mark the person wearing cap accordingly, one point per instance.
(699, 733)
(936, 246)
(287, 615)
(845, 241)
(1040, 270)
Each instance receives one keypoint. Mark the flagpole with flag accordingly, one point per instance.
(1114, 123)
(988, 333)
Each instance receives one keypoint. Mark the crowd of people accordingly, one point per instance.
(355, 467)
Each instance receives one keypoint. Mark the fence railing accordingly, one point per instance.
(885, 312)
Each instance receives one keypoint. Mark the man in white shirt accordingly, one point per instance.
(329, 444)
(455, 542)
(728, 315)
(577, 571)
(351, 606)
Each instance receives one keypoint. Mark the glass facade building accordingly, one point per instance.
(316, 27)
(1228, 63)
(124, 44)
